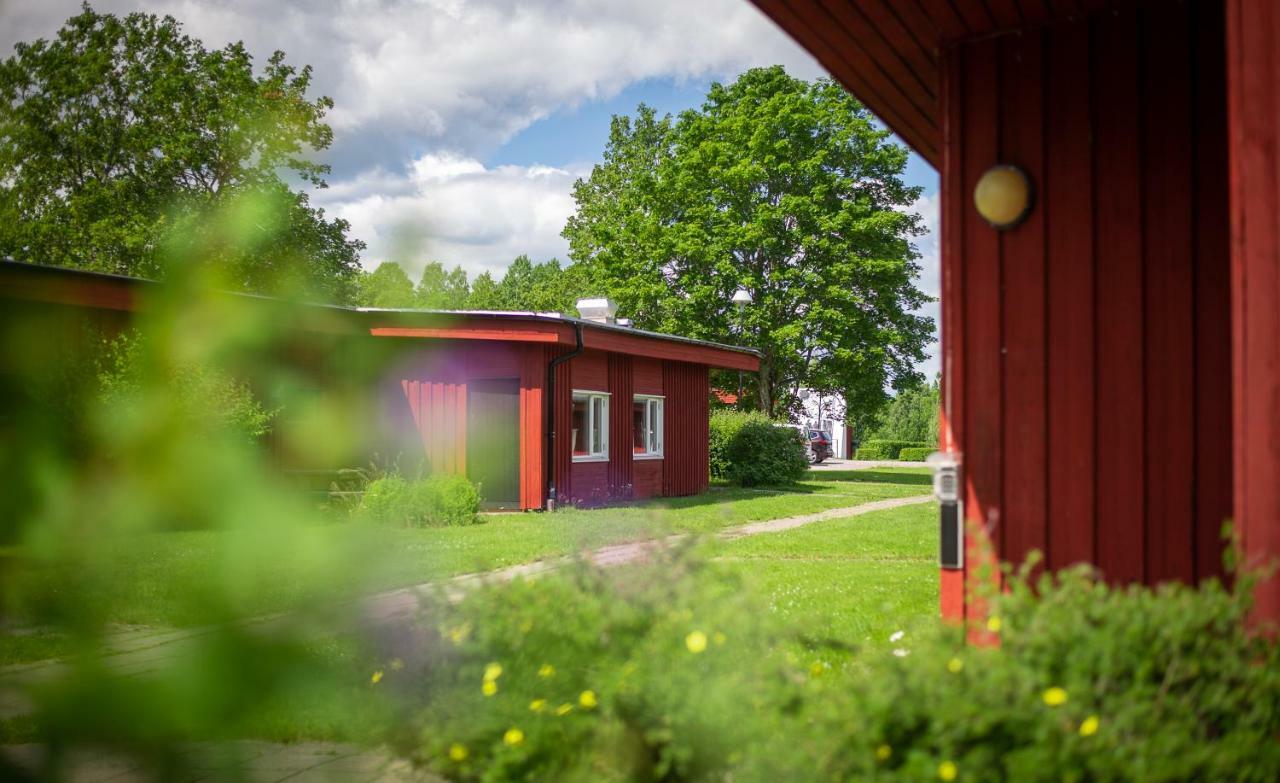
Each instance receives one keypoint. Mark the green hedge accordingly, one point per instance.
(870, 452)
(595, 675)
(915, 453)
(436, 501)
(891, 449)
(750, 449)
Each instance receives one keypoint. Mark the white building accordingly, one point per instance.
(826, 412)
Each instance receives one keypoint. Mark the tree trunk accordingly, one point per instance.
(765, 401)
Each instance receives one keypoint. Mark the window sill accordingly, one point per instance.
(590, 459)
(646, 457)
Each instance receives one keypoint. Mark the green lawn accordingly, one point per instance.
(844, 583)
(179, 578)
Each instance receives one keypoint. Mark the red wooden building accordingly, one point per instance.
(471, 392)
(1112, 363)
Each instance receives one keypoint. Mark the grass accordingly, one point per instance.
(845, 582)
(186, 578)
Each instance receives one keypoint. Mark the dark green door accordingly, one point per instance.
(493, 440)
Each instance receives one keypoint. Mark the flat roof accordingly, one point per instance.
(112, 291)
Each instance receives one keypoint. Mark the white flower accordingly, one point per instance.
(901, 653)
(896, 636)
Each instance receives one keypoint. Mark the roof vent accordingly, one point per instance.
(626, 322)
(601, 311)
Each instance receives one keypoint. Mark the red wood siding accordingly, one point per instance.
(1084, 352)
(563, 421)
(647, 478)
(1253, 75)
(685, 428)
(440, 413)
(590, 371)
(620, 479)
(647, 375)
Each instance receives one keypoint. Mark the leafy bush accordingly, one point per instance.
(200, 392)
(750, 449)
(915, 453)
(870, 452)
(891, 449)
(674, 673)
(440, 500)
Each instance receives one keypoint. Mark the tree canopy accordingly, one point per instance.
(122, 133)
(526, 285)
(784, 188)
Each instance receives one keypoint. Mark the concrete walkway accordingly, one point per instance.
(139, 652)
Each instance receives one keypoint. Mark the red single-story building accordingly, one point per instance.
(474, 392)
(1111, 357)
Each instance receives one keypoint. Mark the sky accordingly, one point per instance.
(461, 125)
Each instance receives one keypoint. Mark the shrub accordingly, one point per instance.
(437, 501)
(870, 452)
(750, 449)
(675, 673)
(912, 415)
(915, 453)
(891, 448)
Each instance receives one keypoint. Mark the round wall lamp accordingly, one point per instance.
(1004, 196)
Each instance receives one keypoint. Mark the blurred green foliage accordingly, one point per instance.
(670, 672)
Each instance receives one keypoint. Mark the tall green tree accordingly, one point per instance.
(439, 289)
(122, 133)
(787, 189)
(387, 286)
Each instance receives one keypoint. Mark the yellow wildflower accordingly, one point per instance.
(492, 672)
(816, 669)
(884, 752)
(718, 638)
(947, 770)
(376, 678)
(588, 700)
(564, 709)
(396, 664)
(1089, 726)
(459, 633)
(526, 626)
(994, 624)
(1054, 696)
(696, 642)
(513, 737)
(489, 688)
(546, 670)
(538, 705)
(955, 665)
(458, 752)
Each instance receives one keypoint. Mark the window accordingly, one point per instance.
(646, 426)
(590, 426)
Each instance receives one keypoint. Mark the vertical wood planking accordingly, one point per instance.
(1167, 220)
(1253, 34)
(562, 415)
(983, 336)
(621, 457)
(1023, 302)
(1119, 430)
(533, 370)
(951, 431)
(1212, 285)
(1071, 318)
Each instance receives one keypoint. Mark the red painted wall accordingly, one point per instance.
(1086, 357)
(685, 428)
(620, 474)
(1253, 76)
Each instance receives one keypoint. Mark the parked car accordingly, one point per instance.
(817, 444)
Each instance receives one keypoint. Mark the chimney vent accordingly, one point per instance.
(601, 311)
(627, 322)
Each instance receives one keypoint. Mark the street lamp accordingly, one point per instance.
(741, 298)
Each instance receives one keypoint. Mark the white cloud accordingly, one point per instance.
(414, 75)
(454, 209)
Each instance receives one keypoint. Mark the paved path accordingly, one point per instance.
(141, 651)
(863, 464)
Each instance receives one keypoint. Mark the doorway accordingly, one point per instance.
(493, 440)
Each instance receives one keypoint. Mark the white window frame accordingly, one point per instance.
(654, 403)
(590, 396)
